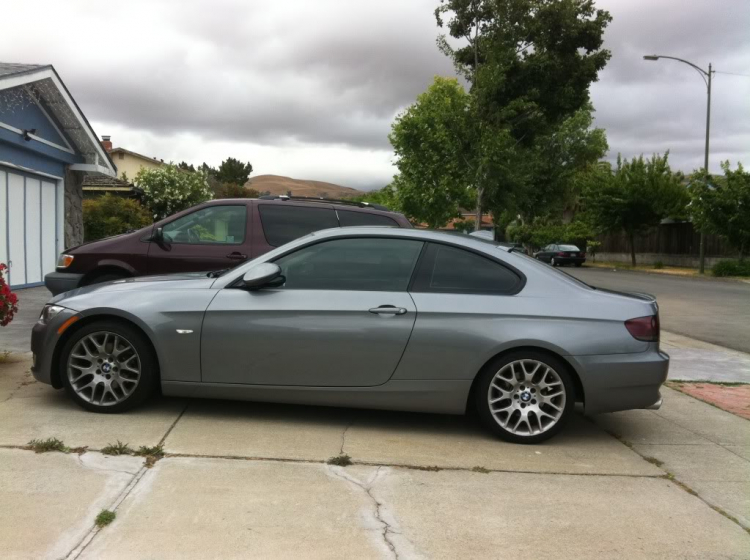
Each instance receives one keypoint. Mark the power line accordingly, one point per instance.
(732, 73)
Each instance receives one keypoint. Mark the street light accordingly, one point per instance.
(707, 79)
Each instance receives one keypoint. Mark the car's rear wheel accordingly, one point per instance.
(525, 397)
(578, 265)
(108, 367)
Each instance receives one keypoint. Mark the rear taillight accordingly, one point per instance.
(644, 328)
(560, 254)
(583, 254)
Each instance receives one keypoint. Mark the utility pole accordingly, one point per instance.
(707, 79)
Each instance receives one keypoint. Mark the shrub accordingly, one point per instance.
(8, 300)
(112, 215)
(732, 268)
(167, 189)
(658, 265)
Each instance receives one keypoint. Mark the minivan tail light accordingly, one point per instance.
(644, 328)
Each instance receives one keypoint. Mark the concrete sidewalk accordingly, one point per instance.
(246, 480)
(695, 360)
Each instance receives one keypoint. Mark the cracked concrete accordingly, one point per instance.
(251, 480)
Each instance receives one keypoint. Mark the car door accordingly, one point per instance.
(343, 318)
(210, 238)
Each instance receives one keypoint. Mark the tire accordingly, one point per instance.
(553, 262)
(493, 383)
(579, 265)
(108, 390)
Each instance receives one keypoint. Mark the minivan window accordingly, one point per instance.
(215, 224)
(447, 269)
(347, 218)
(283, 223)
(366, 264)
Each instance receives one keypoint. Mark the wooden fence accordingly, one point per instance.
(668, 239)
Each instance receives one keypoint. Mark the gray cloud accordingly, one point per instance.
(323, 80)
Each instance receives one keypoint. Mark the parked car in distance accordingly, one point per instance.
(386, 318)
(211, 236)
(559, 255)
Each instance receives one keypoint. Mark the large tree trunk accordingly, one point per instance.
(632, 248)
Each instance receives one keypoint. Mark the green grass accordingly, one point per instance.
(340, 460)
(104, 518)
(118, 448)
(47, 445)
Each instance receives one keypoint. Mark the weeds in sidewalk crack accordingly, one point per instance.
(47, 445)
(653, 461)
(340, 460)
(480, 470)
(104, 518)
(421, 468)
(118, 448)
(151, 454)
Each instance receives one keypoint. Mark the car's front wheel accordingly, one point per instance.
(553, 262)
(525, 397)
(108, 367)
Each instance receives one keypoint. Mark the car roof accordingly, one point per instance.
(309, 202)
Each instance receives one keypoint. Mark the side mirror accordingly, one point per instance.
(158, 235)
(266, 275)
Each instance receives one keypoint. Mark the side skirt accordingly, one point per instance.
(443, 397)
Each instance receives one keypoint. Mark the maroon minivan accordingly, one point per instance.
(213, 235)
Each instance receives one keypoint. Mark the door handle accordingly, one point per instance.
(388, 310)
(236, 256)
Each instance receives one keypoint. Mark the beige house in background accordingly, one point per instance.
(127, 162)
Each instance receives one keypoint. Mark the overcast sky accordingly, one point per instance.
(310, 89)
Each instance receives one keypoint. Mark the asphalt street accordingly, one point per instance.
(707, 309)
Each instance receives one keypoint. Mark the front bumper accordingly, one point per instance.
(44, 339)
(617, 382)
(59, 282)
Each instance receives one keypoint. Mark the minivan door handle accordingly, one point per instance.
(388, 310)
(236, 256)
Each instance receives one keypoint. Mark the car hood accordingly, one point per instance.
(167, 282)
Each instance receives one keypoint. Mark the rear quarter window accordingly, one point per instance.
(348, 218)
(449, 269)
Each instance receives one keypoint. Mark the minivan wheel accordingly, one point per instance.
(108, 367)
(525, 397)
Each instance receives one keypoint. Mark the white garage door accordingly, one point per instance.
(30, 207)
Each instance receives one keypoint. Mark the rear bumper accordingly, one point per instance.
(59, 282)
(623, 381)
(570, 260)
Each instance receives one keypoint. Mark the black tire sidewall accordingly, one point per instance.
(149, 367)
(483, 384)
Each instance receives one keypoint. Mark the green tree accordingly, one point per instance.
(723, 207)
(232, 190)
(530, 64)
(185, 166)
(233, 171)
(429, 141)
(109, 215)
(637, 197)
(167, 189)
(387, 196)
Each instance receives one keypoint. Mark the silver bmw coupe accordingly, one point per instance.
(365, 317)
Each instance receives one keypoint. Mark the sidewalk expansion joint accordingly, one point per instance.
(169, 430)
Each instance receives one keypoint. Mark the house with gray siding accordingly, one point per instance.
(47, 149)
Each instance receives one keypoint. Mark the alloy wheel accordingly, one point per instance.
(526, 397)
(104, 368)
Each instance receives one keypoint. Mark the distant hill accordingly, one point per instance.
(276, 184)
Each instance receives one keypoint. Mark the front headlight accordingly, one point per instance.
(49, 312)
(64, 261)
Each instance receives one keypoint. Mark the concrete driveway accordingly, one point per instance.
(247, 480)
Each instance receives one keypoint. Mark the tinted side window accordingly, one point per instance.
(282, 223)
(452, 270)
(347, 218)
(215, 224)
(368, 264)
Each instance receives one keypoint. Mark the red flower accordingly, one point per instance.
(8, 300)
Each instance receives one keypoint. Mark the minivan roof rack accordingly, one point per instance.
(325, 200)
